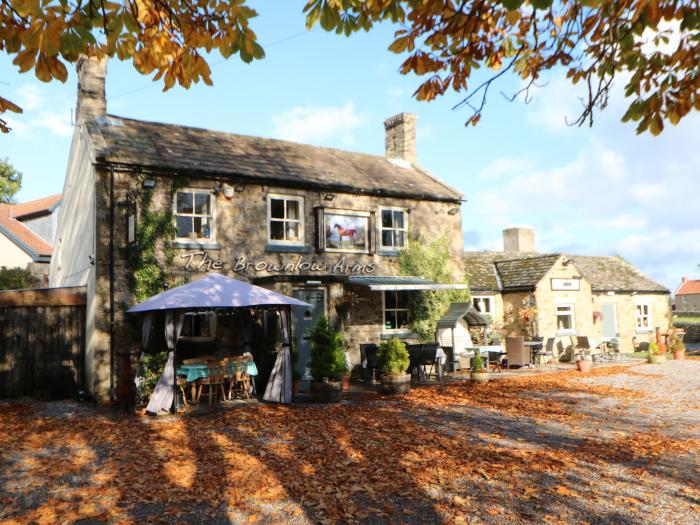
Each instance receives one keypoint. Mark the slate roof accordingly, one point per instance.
(689, 287)
(19, 233)
(244, 158)
(499, 271)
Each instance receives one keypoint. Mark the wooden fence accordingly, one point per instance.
(42, 347)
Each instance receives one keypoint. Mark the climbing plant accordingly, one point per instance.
(430, 262)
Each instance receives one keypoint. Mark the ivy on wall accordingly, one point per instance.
(430, 262)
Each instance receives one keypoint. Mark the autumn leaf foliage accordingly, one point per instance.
(652, 44)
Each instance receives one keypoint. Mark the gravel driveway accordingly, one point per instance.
(617, 446)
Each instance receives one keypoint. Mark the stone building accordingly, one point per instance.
(27, 234)
(687, 296)
(568, 295)
(320, 224)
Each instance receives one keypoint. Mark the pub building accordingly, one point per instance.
(319, 224)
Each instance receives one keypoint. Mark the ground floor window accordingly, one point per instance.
(643, 317)
(484, 304)
(199, 325)
(396, 310)
(565, 319)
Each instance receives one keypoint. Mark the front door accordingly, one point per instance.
(305, 319)
(609, 320)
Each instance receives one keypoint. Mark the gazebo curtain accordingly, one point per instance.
(164, 394)
(279, 386)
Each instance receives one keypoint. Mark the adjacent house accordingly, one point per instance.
(320, 224)
(561, 296)
(687, 296)
(27, 234)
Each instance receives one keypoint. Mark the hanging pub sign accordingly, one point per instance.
(566, 284)
(199, 261)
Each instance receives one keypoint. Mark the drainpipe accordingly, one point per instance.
(111, 283)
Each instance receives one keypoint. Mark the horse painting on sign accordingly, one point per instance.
(346, 232)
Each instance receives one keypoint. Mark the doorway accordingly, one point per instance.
(609, 320)
(303, 320)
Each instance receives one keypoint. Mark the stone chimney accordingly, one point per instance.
(91, 89)
(519, 239)
(400, 137)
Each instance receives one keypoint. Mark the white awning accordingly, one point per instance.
(399, 282)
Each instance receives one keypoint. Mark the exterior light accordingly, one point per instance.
(329, 196)
(228, 192)
(239, 188)
(453, 211)
(149, 184)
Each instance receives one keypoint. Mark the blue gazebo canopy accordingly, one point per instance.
(212, 292)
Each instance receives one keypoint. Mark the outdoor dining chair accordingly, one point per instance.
(368, 354)
(237, 376)
(214, 382)
(428, 358)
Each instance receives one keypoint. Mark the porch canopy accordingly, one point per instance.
(378, 283)
(216, 292)
(459, 311)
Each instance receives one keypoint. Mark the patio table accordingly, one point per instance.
(199, 371)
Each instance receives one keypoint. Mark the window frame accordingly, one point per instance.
(381, 228)
(640, 316)
(572, 314)
(302, 222)
(384, 311)
(212, 327)
(492, 303)
(212, 215)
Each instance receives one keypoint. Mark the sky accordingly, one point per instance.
(593, 191)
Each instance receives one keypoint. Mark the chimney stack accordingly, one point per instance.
(519, 239)
(400, 137)
(91, 88)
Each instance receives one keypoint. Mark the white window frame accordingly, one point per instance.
(212, 215)
(212, 327)
(382, 228)
(492, 303)
(639, 317)
(297, 198)
(572, 314)
(384, 310)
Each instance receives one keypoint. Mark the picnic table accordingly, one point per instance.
(199, 371)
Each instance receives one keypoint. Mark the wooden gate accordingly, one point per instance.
(42, 347)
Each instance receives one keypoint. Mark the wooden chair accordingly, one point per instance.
(237, 375)
(214, 382)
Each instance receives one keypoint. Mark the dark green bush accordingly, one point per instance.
(392, 357)
(327, 361)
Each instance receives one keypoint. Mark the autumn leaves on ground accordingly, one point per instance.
(619, 445)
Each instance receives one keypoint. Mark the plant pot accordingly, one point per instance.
(584, 366)
(396, 384)
(346, 383)
(679, 355)
(657, 359)
(479, 377)
(330, 392)
(296, 385)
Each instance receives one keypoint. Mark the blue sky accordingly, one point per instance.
(600, 190)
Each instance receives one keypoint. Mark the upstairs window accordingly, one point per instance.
(285, 218)
(395, 311)
(484, 304)
(194, 216)
(565, 319)
(643, 314)
(394, 228)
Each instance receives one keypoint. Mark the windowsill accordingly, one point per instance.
(399, 335)
(643, 330)
(207, 245)
(288, 248)
(561, 333)
(389, 253)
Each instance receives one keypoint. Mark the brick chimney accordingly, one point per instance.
(400, 137)
(91, 88)
(519, 239)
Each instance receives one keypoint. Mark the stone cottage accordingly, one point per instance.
(562, 296)
(320, 224)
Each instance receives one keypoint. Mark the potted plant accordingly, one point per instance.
(677, 347)
(479, 374)
(327, 363)
(655, 355)
(584, 363)
(392, 361)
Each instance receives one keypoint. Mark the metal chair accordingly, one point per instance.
(428, 358)
(368, 354)
(414, 357)
(494, 360)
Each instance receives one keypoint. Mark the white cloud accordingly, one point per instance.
(318, 124)
(625, 221)
(55, 122)
(30, 97)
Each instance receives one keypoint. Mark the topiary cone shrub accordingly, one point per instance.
(392, 361)
(327, 363)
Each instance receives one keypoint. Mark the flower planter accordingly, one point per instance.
(479, 377)
(396, 384)
(346, 383)
(584, 366)
(330, 392)
(657, 359)
(679, 355)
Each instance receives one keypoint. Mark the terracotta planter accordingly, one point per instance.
(584, 366)
(657, 359)
(396, 384)
(346, 383)
(479, 377)
(679, 355)
(330, 392)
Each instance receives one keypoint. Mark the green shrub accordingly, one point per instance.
(15, 278)
(478, 365)
(653, 348)
(327, 361)
(392, 357)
